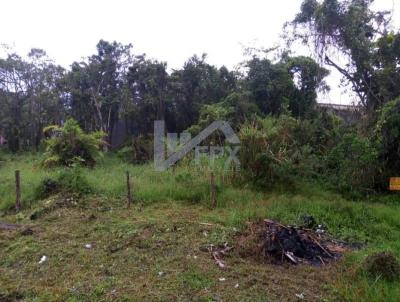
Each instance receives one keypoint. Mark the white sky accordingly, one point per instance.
(168, 30)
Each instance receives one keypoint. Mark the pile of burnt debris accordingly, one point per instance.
(278, 243)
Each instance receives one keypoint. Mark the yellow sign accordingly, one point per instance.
(394, 184)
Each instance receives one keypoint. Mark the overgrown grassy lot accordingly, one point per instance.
(154, 251)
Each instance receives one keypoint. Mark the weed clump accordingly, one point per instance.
(384, 265)
(46, 188)
(73, 181)
(69, 181)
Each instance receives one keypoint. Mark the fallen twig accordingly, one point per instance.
(9, 226)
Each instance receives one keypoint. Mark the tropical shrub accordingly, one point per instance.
(70, 146)
(271, 153)
(281, 150)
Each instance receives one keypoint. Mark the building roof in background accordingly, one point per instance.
(339, 107)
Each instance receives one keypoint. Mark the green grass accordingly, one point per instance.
(108, 179)
(31, 176)
(179, 200)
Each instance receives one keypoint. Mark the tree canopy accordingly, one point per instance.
(363, 37)
(114, 85)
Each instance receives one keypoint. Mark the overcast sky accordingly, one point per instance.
(168, 30)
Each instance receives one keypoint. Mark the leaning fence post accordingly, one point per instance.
(17, 190)
(213, 192)
(128, 184)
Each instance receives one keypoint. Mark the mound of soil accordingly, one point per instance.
(278, 243)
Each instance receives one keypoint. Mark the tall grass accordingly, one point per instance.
(186, 182)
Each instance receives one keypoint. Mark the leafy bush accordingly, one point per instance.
(70, 146)
(352, 165)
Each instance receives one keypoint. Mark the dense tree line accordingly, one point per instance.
(114, 85)
(30, 98)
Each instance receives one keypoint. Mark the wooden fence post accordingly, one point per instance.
(128, 184)
(233, 175)
(17, 190)
(213, 191)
